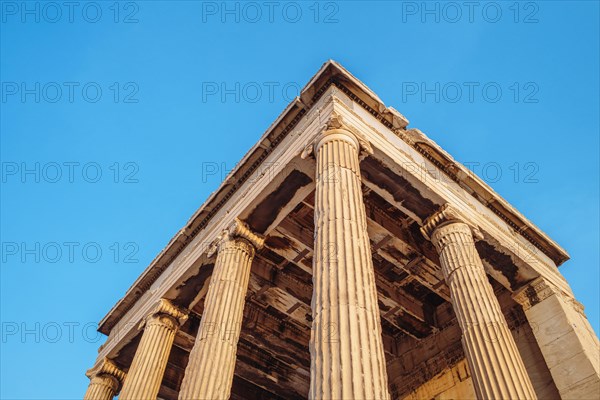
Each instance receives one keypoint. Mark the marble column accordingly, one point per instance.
(347, 356)
(209, 373)
(105, 381)
(496, 365)
(150, 361)
(565, 337)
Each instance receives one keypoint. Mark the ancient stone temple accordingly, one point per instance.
(350, 257)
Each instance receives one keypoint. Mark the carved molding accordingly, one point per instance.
(534, 293)
(335, 121)
(539, 290)
(399, 121)
(577, 306)
(445, 215)
(413, 136)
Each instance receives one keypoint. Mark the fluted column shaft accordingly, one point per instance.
(209, 374)
(102, 387)
(347, 357)
(497, 368)
(150, 361)
(105, 380)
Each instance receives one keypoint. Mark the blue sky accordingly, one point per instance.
(119, 119)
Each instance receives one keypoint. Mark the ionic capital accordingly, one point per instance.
(335, 128)
(446, 215)
(166, 313)
(109, 372)
(237, 230)
(534, 293)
